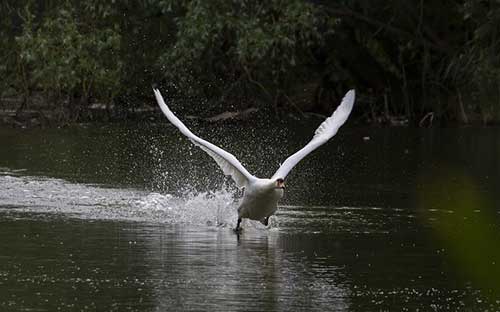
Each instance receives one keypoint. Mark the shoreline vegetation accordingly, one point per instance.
(411, 63)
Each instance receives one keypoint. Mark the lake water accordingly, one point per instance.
(135, 218)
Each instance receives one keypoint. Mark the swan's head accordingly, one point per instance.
(280, 184)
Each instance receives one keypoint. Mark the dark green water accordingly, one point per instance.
(122, 218)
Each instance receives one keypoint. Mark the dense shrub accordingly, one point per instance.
(69, 58)
(411, 61)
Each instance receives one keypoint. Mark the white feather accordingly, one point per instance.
(226, 161)
(325, 132)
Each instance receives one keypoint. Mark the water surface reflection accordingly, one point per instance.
(131, 225)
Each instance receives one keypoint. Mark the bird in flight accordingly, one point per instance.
(261, 196)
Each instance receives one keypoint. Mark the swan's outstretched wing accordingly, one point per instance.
(226, 161)
(324, 132)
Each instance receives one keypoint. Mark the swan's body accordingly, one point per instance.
(261, 196)
(260, 200)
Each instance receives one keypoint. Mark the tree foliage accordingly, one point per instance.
(69, 57)
(229, 49)
(411, 61)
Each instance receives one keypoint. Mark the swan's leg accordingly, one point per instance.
(238, 228)
(265, 221)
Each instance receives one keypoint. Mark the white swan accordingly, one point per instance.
(261, 196)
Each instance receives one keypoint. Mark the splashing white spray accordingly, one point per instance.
(37, 196)
(211, 208)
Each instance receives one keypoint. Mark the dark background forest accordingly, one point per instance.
(411, 62)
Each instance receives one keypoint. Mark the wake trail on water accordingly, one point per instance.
(44, 198)
(39, 197)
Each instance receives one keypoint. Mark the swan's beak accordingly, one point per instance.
(280, 184)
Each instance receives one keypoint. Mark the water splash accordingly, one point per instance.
(211, 208)
(28, 196)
